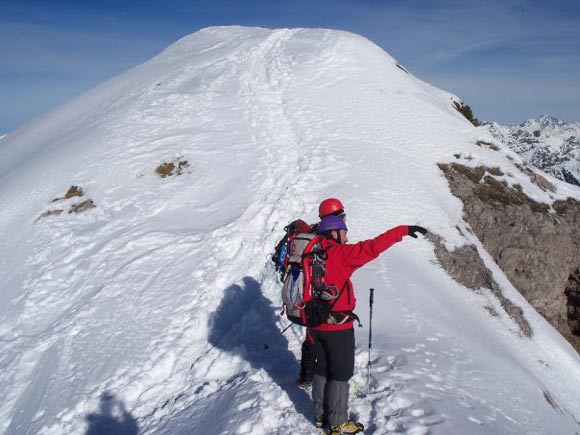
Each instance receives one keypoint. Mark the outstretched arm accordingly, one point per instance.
(359, 254)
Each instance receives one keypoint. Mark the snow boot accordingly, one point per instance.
(304, 385)
(320, 422)
(349, 427)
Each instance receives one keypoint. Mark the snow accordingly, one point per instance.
(158, 309)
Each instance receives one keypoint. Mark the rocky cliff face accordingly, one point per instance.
(546, 143)
(535, 244)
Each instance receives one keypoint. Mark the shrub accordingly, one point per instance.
(165, 170)
(168, 169)
(74, 191)
(466, 111)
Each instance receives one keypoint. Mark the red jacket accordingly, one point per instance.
(342, 262)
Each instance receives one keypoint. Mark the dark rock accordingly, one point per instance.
(572, 293)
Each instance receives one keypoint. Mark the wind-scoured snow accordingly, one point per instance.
(157, 311)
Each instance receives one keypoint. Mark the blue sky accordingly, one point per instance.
(510, 60)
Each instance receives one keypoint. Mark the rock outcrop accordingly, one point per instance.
(466, 267)
(535, 244)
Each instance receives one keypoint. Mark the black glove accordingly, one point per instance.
(414, 229)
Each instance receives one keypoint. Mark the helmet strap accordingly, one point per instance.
(337, 239)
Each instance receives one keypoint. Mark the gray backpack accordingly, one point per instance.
(306, 298)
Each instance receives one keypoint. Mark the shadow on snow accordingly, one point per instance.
(113, 418)
(245, 325)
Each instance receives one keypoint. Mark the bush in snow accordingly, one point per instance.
(177, 167)
(466, 111)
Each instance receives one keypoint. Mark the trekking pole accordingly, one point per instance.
(287, 328)
(371, 301)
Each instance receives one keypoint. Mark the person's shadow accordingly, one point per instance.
(113, 418)
(245, 324)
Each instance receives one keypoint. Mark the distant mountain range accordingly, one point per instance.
(545, 142)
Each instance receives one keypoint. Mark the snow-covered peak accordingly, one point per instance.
(542, 122)
(157, 304)
(551, 126)
(547, 143)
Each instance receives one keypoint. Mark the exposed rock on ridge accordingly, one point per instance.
(467, 268)
(537, 246)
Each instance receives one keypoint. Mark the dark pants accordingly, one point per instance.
(334, 366)
(334, 354)
(307, 359)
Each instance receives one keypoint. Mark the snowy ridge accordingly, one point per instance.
(547, 143)
(163, 296)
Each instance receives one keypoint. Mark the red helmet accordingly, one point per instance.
(329, 207)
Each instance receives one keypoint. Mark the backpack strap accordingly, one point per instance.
(307, 260)
(338, 297)
(346, 314)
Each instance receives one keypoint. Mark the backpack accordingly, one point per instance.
(307, 299)
(279, 257)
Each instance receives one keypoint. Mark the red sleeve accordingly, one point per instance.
(359, 254)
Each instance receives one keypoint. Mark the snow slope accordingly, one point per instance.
(157, 311)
